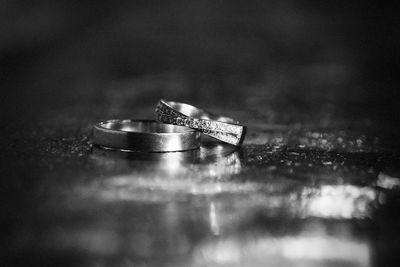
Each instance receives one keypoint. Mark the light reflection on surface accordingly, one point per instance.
(172, 179)
(338, 201)
(147, 218)
(159, 176)
(387, 181)
(194, 210)
(232, 202)
(302, 250)
(214, 224)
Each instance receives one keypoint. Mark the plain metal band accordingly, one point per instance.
(219, 127)
(167, 138)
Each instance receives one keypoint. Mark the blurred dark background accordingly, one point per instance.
(342, 54)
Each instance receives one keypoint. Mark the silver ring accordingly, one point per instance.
(144, 136)
(219, 127)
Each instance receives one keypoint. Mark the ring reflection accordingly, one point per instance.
(161, 176)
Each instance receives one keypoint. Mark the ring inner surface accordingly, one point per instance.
(194, 112)
(143, 127)
(189, 110)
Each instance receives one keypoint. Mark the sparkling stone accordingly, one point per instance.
(187, 122)
(212, 125)
(203, 124)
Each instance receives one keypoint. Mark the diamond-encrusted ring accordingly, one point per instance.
(222, 128)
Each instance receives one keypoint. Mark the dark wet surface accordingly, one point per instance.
(316, 182)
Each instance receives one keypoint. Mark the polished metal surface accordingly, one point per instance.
(219, 127)
(144, 136)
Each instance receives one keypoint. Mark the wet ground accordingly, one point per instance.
(316, 182)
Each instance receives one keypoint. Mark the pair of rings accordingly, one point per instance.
(178, 128)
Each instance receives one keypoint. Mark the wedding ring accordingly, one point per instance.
(219, 127)
(144, 136)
